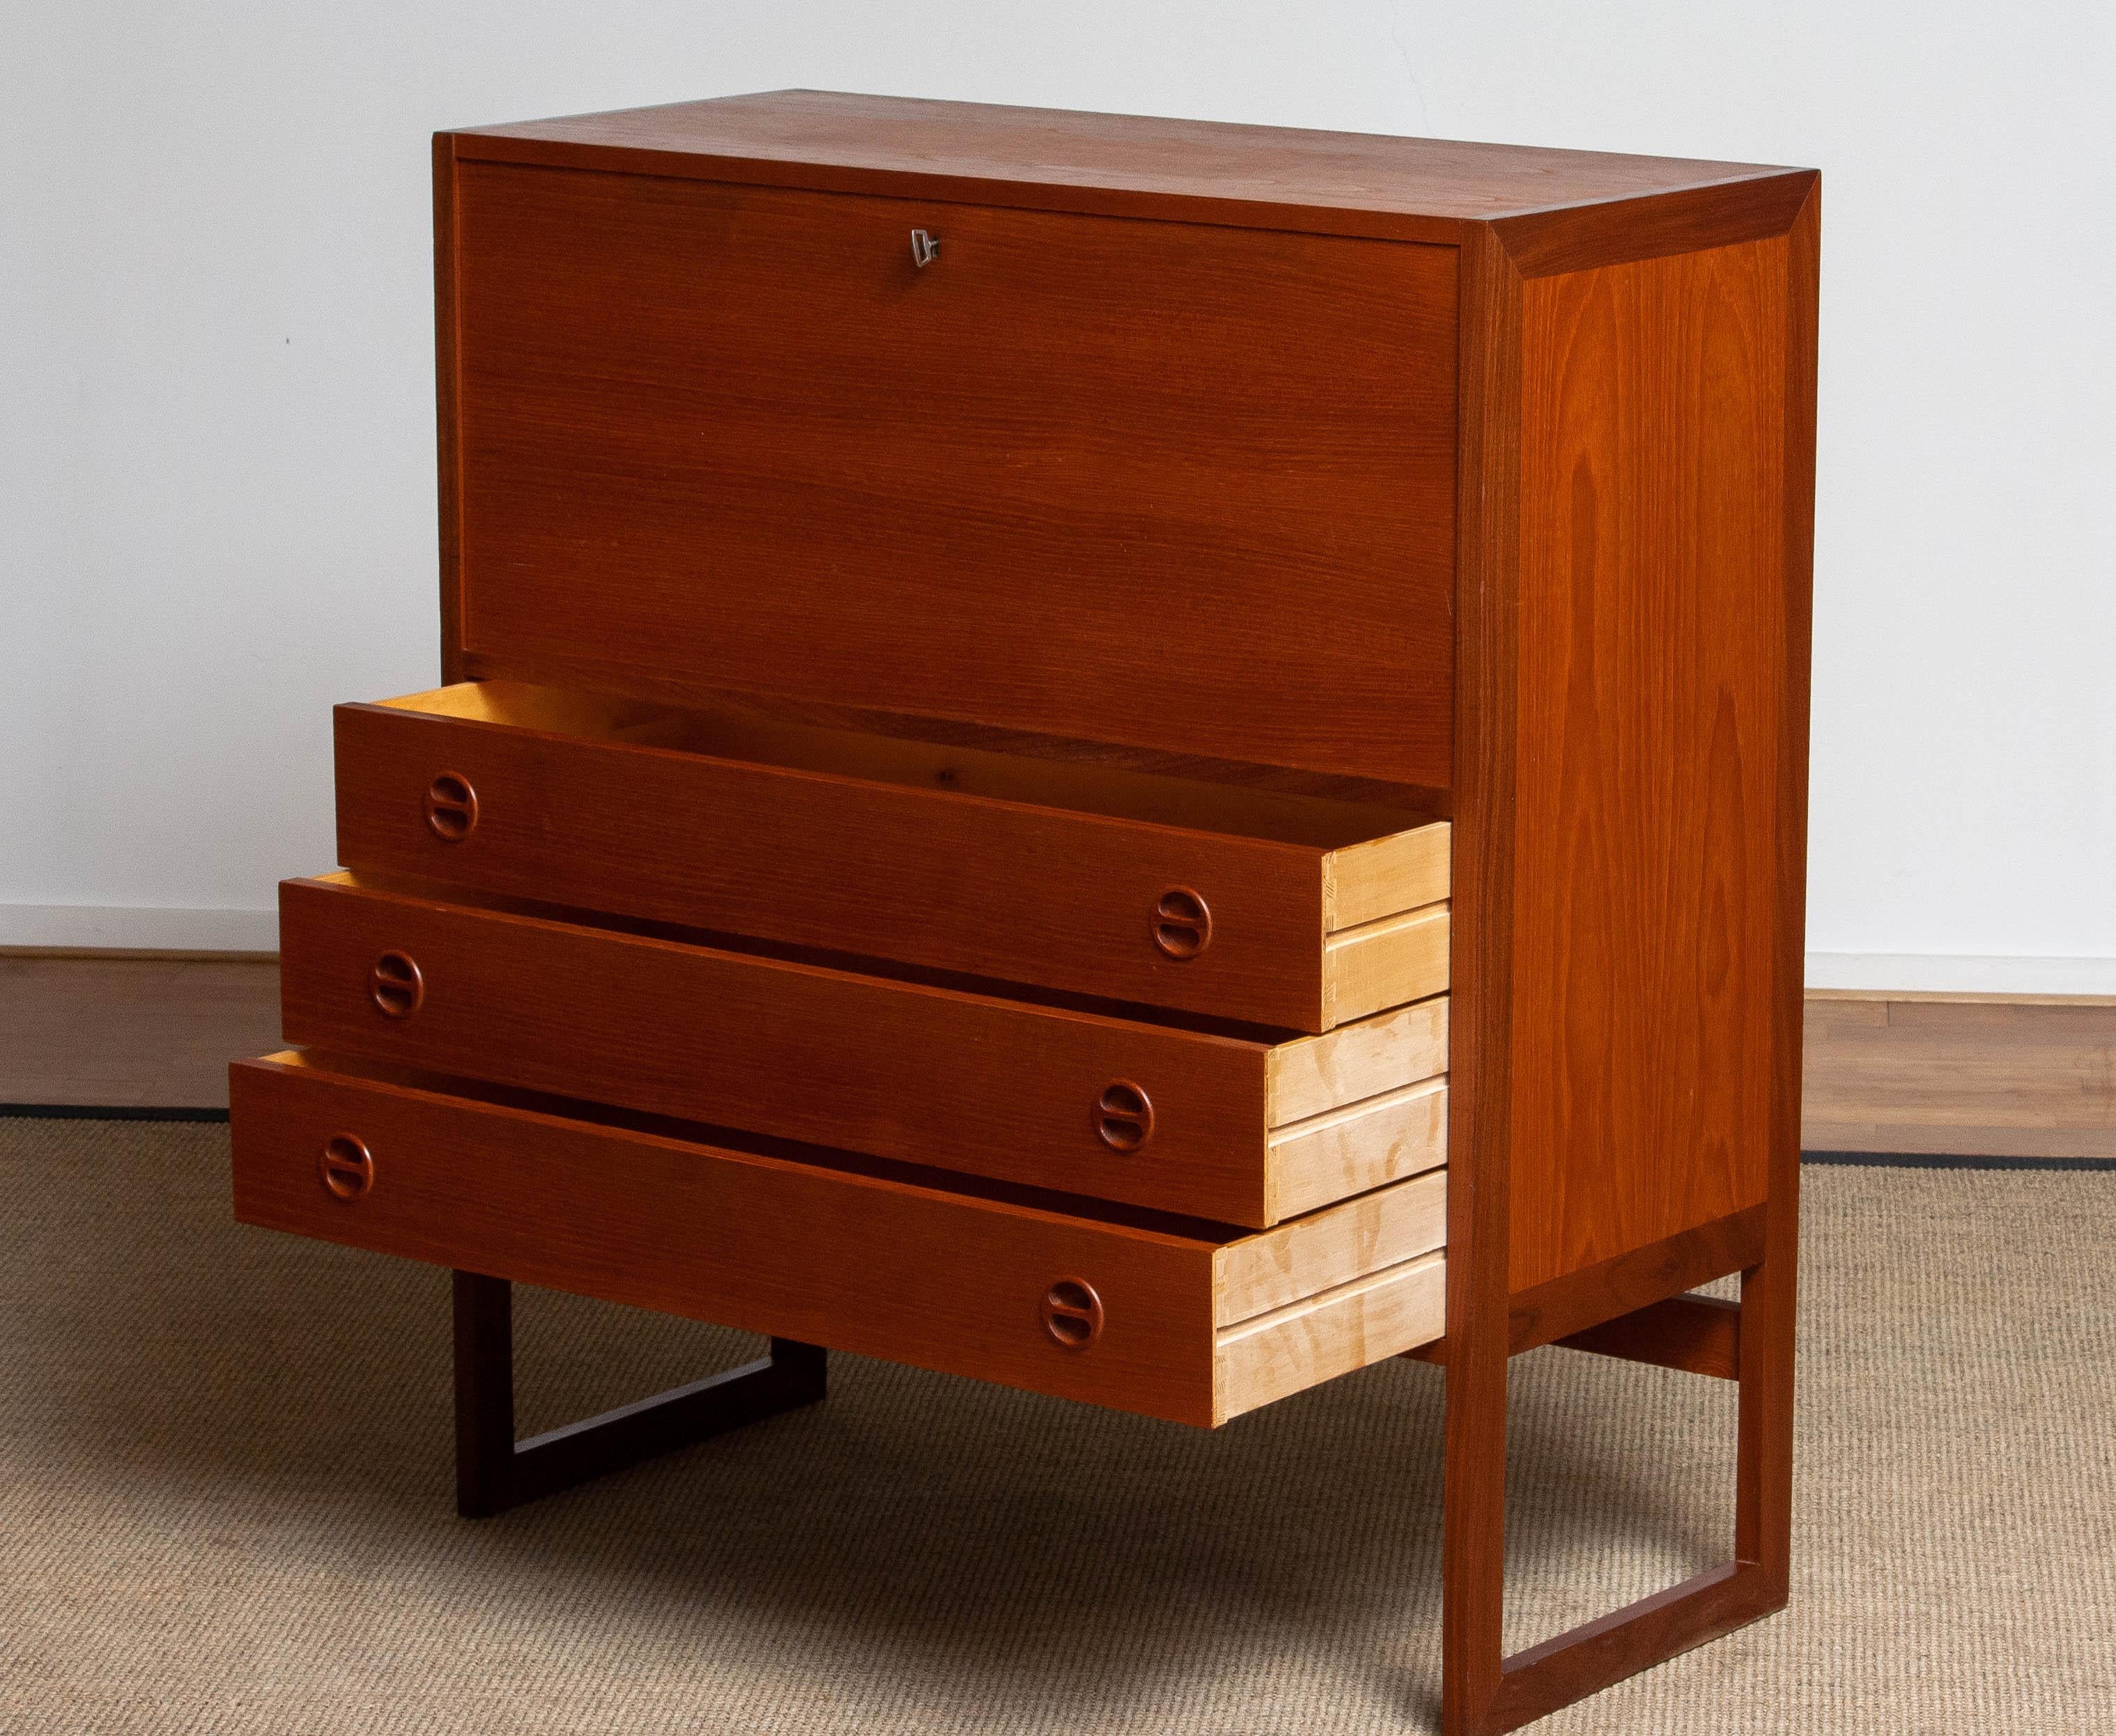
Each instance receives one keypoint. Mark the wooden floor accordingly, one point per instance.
(132, 1032)
(1996, 1076)
(2007, 1076)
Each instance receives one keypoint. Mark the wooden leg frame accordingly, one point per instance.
(1636, 1307)
(496, 1472)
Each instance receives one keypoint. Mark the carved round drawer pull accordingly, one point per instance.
(451, 807)
(396, 985)
(1073, 1313)
(1124, 1116)
(347, 1168)
(1182, 924)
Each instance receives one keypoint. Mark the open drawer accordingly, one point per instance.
(1289, 912)
(1163, 1316)
(1241, 1129)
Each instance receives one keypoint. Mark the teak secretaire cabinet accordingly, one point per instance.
(1152, 761)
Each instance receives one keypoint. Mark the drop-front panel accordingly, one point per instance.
(735, 437)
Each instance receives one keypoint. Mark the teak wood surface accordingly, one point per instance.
(1198, 1324)
(1023, 871)
(1478, 479)
(1631, 741)
(495, 1470)
(1700, 1334)
(1652, 688)
(1273, 178)
(986, 1084)
(1231, 451)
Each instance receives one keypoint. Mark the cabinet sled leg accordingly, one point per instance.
(1485, 1692)
(496, 1472)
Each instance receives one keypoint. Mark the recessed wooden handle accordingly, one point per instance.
(1073, 1313)
(1182, 925)
(396, 985)
(1124, 1116)
(451, 807)
(347, 1166)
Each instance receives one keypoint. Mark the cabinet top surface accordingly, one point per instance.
(1125, 164)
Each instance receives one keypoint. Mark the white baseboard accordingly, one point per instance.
(129, 928)
(139, 929)
(1960, 973)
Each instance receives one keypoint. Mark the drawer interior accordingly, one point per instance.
(1372, 880)
(1299, 912)
(634, 920)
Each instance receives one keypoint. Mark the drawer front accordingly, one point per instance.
(942, 876)
(1176, 1325)
(830, 1058)
(1166, 484)
(1113, 1108)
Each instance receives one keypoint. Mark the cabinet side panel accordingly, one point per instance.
(1656, 655)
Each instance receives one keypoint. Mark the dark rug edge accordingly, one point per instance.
(1871, 1159)
(1942, 1161)
(104, 1112)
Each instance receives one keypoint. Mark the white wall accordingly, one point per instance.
(214, 317)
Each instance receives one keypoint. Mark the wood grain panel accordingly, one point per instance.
(1654, 666)
(834, 1254)
(1570, 238)
(901, 1069)
(858, 1263)
(1699, 1334)
(1367, 1145)
(1362, 883)
(447, 410)
(967, 1082)
(1636, 1279)
(1032, 872)
(732, 436)
(1480, 1042)
(1357, 1324)
(1261, 1273)
(1136, 165)
(1384, 964)
(1315, 1074)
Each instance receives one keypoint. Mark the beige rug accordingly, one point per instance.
(225, 1503)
